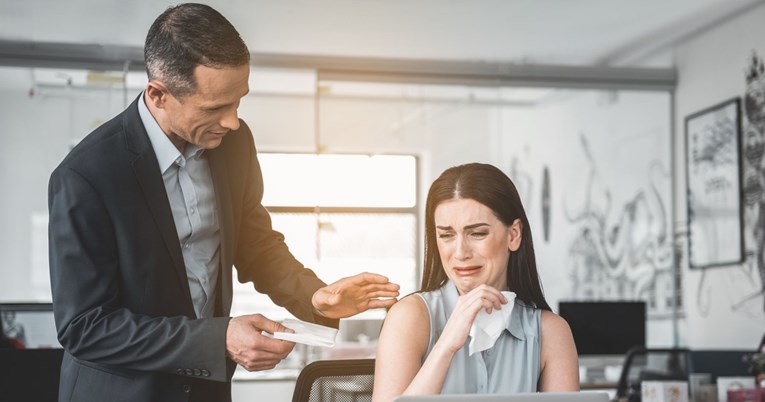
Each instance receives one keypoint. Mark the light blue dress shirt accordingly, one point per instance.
(511, 366)
(191, 193)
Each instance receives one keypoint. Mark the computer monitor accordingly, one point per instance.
(29, 324)
(605, 327)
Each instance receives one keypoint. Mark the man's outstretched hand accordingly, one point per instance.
(355, 294)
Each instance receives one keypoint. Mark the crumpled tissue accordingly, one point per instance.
(486, 328)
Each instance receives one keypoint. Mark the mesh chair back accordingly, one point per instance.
(336, 381)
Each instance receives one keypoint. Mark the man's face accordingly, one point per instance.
(204, 117)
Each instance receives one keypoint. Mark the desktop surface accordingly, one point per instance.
(526, 397)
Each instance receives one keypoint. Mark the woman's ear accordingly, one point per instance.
(514, 235)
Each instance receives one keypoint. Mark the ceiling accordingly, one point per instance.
(565, 32)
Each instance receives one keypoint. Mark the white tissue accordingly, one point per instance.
(486, 328)
(306, 333)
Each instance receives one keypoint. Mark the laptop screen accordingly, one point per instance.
(529, 397)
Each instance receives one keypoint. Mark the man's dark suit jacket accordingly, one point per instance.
(120, 293)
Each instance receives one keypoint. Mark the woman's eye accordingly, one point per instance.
(445, 236)
(479, 234)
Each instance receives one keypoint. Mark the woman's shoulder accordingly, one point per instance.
(411, 306)
(409, 318)
(555, 327)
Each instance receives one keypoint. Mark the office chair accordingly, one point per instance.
(643, 364)
(335, 381)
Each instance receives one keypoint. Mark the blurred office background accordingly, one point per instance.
(356, 106)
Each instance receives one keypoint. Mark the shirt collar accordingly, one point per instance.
(514, 326)
(166, 152)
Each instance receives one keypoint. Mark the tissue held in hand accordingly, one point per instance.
(486, 328)
(307, 333)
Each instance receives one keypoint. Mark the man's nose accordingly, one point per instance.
(230, 120)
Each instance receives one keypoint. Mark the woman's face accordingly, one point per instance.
(474, 244)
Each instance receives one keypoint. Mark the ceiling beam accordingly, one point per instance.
(339, 68)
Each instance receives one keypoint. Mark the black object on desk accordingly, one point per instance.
(721, 363)
(30, 375)
(605, 327)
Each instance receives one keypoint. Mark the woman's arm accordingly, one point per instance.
(560, 364)
(404, 340)
(402, 344)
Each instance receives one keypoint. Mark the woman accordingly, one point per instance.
(478, 244)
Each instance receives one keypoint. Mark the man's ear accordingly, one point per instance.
(157, 94)
(514, 235)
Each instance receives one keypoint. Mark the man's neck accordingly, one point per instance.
(158, 115)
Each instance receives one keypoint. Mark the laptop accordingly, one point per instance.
(587, 396)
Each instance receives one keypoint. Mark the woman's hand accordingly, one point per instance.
(468, 305)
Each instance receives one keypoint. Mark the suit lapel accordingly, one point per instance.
(146, 170)
(217, 162)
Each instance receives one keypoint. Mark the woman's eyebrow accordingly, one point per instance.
(473, 226)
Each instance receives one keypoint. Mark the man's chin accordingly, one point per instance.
(211, 143)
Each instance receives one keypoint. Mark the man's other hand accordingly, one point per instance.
(355, 294)
(252, 350)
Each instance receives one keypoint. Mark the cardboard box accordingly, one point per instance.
(664, 391)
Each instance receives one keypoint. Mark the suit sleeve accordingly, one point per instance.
(92, 323)
(263, 258)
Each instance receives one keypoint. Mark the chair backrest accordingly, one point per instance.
(651, 364)
(335, 381)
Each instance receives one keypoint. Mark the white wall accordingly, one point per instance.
(712, 68)
(610, 196)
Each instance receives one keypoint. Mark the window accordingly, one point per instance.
(341, 215)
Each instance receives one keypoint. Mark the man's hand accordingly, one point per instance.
(248, 347)
(355, 294)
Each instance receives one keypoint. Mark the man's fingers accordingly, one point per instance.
(379, 294)
(381, 303)
(258, 365)
(368, 277)
(388, 287)
(277, 347)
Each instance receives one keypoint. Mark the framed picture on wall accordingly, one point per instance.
(713, 173)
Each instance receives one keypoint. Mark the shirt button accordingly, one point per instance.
(193, 210)
(186, 245)
(186, 388)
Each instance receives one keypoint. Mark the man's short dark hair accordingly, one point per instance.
(186, 36)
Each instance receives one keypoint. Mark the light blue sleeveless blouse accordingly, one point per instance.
(511, 366)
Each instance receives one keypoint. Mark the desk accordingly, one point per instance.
(598, 385)
(275, 385)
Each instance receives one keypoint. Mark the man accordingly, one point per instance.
(148, 214)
